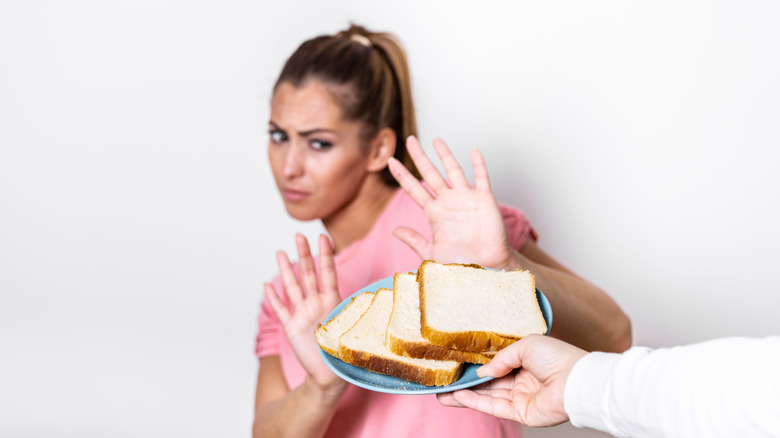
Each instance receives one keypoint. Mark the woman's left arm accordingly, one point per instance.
(585, 315)
(467, 227)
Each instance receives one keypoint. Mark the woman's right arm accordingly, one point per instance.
(305, 411)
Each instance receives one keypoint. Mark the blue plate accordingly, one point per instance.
(393, 385)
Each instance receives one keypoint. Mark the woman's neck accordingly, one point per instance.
(356, 219)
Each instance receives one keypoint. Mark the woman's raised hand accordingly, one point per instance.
(466, 224)
(310, 301)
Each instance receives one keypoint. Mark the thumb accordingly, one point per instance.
(414, 240)
(504, 361)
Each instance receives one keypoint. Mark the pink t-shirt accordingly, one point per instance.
(364, 413)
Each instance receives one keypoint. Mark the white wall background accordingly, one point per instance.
(138, 218)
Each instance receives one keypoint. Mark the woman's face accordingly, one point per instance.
(315, 155)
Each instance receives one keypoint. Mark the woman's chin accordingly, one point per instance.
(299, 215)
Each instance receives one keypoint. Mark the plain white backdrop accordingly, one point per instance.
(138, 217)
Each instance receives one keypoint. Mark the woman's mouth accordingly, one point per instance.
(294, 195)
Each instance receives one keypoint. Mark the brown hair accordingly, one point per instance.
(372, 81)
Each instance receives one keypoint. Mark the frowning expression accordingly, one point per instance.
(316, 157)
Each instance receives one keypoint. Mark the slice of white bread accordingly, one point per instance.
(328, 334)
(364, 345)
(470, 308)
(404, 335)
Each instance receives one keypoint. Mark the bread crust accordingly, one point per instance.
(386, 362)
(322, 328)
(329, 350)
(391, 367)
(422, 349)
(430, 351)
(468, 341)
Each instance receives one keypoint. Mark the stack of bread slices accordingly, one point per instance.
(432, 322)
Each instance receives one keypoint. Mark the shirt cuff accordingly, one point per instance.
(583, 396)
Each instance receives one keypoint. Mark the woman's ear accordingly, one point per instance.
(382, 148)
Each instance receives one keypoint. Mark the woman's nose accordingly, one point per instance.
(293, 161)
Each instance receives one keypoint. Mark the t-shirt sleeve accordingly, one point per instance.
(518, 229)
(269, 329)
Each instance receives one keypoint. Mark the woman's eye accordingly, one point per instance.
(278, 136)
(320, 145)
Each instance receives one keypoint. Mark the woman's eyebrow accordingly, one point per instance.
(315, 131)
(306, 133)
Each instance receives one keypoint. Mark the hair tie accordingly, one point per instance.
(360, 39)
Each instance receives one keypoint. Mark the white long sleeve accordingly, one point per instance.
(722, 388)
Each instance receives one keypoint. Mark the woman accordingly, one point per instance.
(341, 109)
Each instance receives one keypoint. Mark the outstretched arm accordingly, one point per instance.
(585, 315)
(306, 410)
(467, 227)
(719, 388)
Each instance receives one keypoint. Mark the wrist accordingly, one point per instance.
(513, 261)
(327, 393)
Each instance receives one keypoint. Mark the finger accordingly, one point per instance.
(497, 407)
(505, 383)
(414, 240)
(424, 165)
(504, 361)
(306, 266)
(495, 392)
(328, 276)
(454, 171)
(289, 280)
(481, 178)
(409, 183)
(446, 399)
(277, 304)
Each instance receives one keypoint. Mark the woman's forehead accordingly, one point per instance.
(310, 104)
